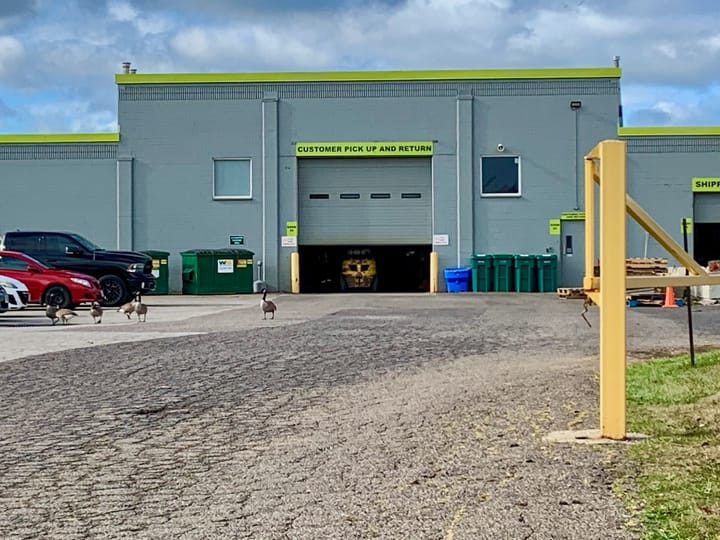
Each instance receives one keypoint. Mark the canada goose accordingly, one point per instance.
(51, 313)
(96, 312)
(140, 309)
(127, 309)
(267, 306)
(65, 315)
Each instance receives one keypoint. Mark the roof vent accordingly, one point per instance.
(126, 67)
(133, 71)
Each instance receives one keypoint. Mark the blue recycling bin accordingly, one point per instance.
(457, 279)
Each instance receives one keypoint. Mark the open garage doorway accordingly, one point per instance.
(706, 242)
(352, 268)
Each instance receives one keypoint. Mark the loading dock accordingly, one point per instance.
(360, 214)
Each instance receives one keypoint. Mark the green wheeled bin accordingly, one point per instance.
(160, 270)
(481, 272)
(217, 271)
(502, 272)
(547, 272)
(525, 273)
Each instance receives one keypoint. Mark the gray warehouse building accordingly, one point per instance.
(397, 163)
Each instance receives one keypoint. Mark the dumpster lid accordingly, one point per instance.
(226, 252)
(155, 253)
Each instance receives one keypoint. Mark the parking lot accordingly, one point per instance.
(348, 416)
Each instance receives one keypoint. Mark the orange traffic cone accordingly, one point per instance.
(669, 297)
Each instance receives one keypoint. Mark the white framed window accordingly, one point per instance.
(500, 176)
(232, 178)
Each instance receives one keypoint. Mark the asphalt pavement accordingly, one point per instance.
(348, 416)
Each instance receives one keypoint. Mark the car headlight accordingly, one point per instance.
(80, 281)
(7, 285)
(136, 267)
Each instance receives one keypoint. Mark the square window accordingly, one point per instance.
(500, 176)
(232, 179)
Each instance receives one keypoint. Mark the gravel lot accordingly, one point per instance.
(349, 416)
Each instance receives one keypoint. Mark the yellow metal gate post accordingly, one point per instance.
(295, 272)
(433, 272)
(612, 291)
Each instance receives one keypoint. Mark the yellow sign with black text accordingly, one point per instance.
(686, 227)
(554, 227)
(705, 184)
(572, 216)
(364, 149)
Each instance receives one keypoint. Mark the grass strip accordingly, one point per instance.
(676, 471)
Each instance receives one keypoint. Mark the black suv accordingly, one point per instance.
(122, 274)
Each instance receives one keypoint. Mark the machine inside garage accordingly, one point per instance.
(364, 223)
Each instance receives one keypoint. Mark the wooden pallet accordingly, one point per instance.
(570, 293)
(636, 266)
(645, 297)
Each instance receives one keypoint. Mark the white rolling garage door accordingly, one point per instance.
(370, 201)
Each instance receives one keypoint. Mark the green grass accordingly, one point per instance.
(676, 472)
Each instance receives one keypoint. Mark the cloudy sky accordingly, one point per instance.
(58, 57)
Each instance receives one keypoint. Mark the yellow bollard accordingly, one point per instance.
(433, 272)
(295, 272)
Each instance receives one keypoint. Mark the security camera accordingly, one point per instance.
(500, 147)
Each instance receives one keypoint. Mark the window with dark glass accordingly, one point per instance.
(500, 175)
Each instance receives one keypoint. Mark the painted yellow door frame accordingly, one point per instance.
(605, 166)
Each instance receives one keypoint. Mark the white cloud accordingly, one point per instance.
(75, 116)
(246, 46)
(712, 43)
(11, 55)
(122, 11)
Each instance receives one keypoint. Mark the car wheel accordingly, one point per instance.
(57, 295)
(114, 291)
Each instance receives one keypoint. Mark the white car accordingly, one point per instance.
(17, 292)
(3, 300)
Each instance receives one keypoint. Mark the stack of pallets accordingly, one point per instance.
(636, 266)
(654, 266)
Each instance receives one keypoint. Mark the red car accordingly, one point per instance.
(48, 285)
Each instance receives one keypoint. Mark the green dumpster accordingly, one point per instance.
(547, 272)
(217, 271)
(159, 270)
(481, 272)
(524, 273)
(502, 272)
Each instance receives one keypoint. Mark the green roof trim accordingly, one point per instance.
(668, 131)
(32, 138)
(366, 76)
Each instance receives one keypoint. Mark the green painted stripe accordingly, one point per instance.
(668, 131)
(32, 138)
(366, 76)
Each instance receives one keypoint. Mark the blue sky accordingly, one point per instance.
(58, 59)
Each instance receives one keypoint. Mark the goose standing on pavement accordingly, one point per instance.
(267, 306)
(64, 315)
(127, 309)
(96, 312)
(140, 309)
(51, 313)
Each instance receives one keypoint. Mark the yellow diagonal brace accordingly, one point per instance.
(663, 238)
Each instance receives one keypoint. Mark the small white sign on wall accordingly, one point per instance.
(441, 240)
(288, 241)
(225, 266)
